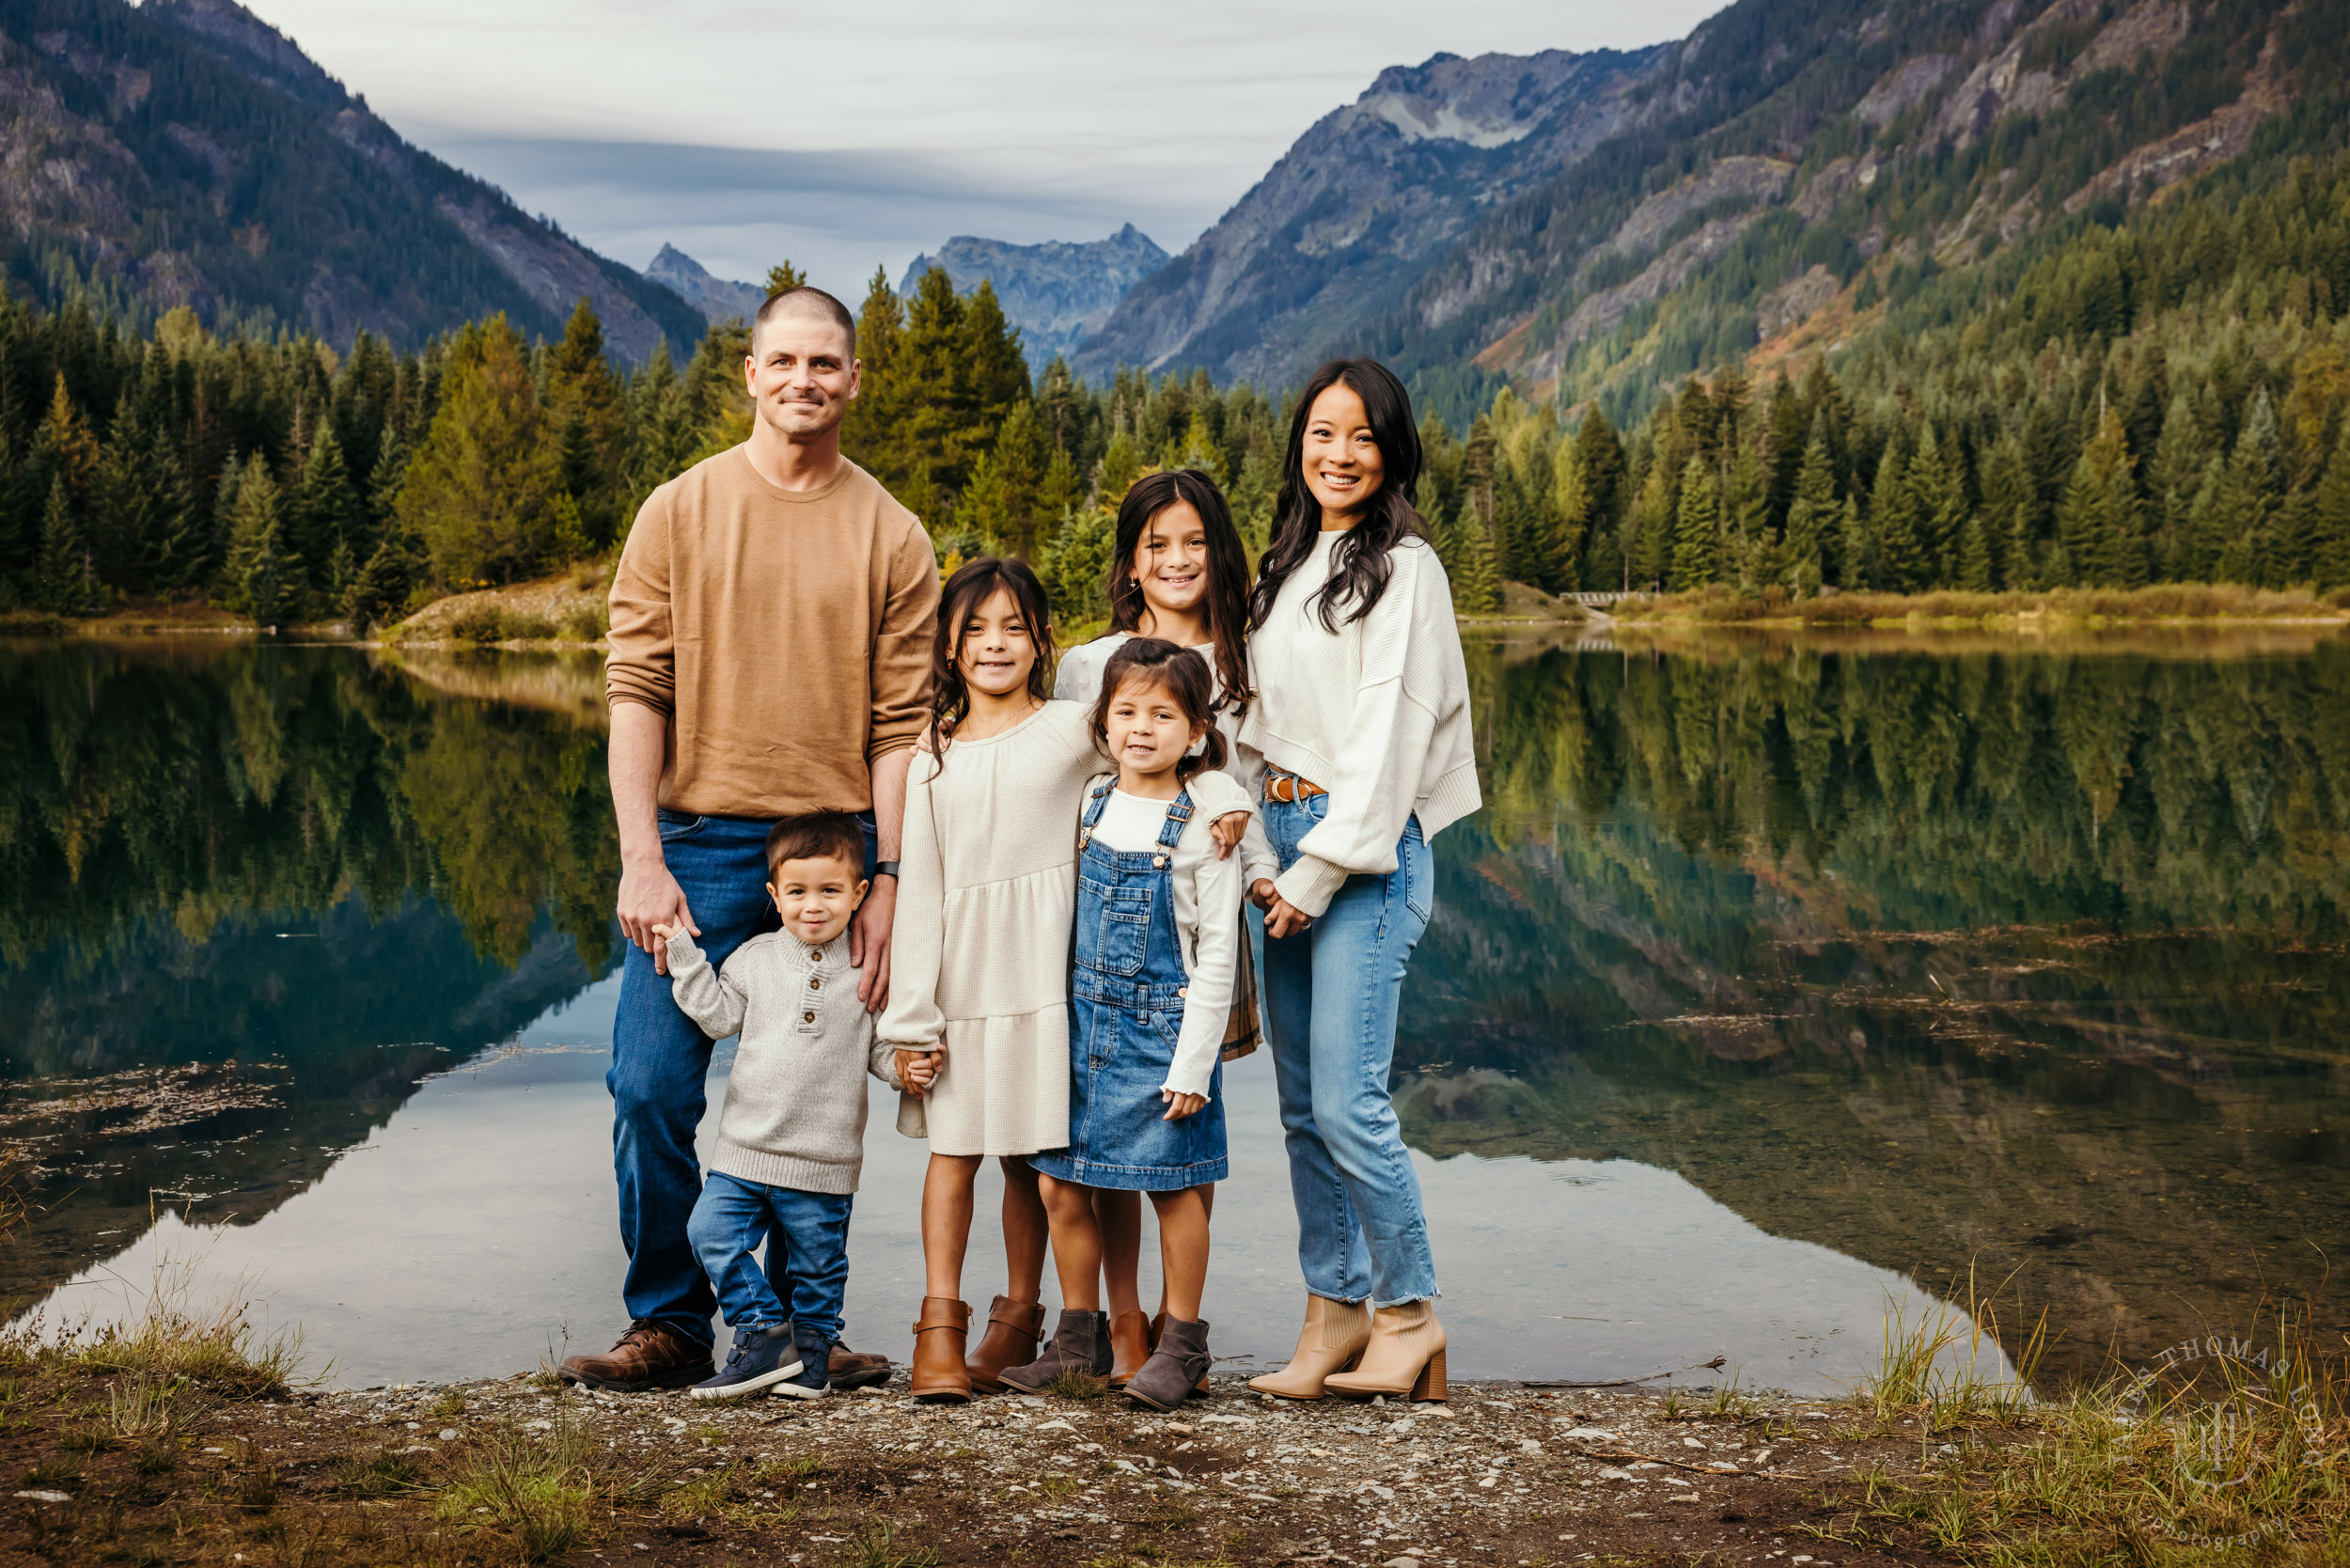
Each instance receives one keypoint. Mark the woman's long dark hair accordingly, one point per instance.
(1183, 674)
(1226, 606)
(1358, 560)
(973, 583)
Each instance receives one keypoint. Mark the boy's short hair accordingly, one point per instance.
(818, 834)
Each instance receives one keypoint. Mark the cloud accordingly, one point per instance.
(851, 135)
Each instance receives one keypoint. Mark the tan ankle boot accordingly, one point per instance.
(1015, 1329)
(1334, 1336)
(1406, 1355)
(939, 1374)
(1131, 1343)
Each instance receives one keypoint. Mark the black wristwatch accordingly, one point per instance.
(884, 868)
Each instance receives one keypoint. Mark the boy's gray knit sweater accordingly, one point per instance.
(795, 1113)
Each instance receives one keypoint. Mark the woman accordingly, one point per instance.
(1360, 728)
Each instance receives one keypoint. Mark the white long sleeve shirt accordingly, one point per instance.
(1375, 712)
(1207, 892)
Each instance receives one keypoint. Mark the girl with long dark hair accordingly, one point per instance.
(979, 999)
(1179, 573)
(1361, 729)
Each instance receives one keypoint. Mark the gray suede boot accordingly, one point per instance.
(1080, 1343)
(1175, 1369)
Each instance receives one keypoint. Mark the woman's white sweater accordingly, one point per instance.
(1375, 712)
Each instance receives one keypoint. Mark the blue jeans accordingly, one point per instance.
(807, 1249)
(660, 1058)
(1332, 992)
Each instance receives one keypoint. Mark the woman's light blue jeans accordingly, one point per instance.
(1332, 992)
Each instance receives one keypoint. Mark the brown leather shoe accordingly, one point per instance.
(1015, 1329)
(939, 1335)
(1131, 1343)
(858, 1369)
(648, 1357)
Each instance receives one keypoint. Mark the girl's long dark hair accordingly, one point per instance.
(1359, 567)
(1225, 606)
(974, 583)
(1183, 674)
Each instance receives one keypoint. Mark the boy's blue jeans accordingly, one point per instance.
(1332, 995)
(660, 1058)
(807, 1247)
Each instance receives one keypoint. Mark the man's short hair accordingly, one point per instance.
(802, 296)
(818, 834)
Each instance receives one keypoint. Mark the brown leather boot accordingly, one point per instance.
(939, 1376)
(1405, 1354)
(648, 1357)
(1132, 1341)
(1015, 1329)
(1158, 1331)
(1334, 1336)
(858, 1369)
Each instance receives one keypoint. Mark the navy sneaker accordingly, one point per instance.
(761, 1359)
(814, 1374)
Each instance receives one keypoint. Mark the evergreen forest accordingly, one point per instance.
(2142, 395)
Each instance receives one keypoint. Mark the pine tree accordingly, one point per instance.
(1696, 534)
(782, 275)
(2007, 514)
(1937, 507)
(1566, 520)
(138, 504)
(1855, 558)
(1812, 514)
(1972, 572)
(379, 594)
(63, 582)
(262, 574)
(1898, 558)
(327, 510)
(1477, 586)
(479, 492)
(1119, 467)
(2329, 543)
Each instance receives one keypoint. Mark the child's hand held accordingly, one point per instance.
(1228, 831)
(1180, 1106)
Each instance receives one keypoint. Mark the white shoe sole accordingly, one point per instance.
(748, 1387)
(794, 1390)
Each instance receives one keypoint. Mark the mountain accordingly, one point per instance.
(1608, 224)
(1369, 199)
(185, 152)
(716, 298)
(1056, 294)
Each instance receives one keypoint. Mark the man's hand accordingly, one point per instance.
(918, 1070)
(1180, 1106)
(1228, 830)
(1282, 917)
(1261, 892)
(650, 904)
(868, 943)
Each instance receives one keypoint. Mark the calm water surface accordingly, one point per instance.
(1777, 986)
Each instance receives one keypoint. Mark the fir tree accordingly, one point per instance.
(2007, 514)
(1855, 558)
(1898, 558)
(479, 492)
(63, 581)
(262, 575)
(1696, 535)
(1938, 506)
(2329, 543)
(782, 275)
(327, 510)
(379, 594)
(1972, 573)
(1812, 514)
(1476, 586)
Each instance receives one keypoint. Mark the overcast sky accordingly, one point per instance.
(845, 136)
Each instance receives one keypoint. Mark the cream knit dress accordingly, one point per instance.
(979, 951)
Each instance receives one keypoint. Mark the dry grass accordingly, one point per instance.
(2163, 602)
(177, 1339)
(2235, 1457)
(542, 1491)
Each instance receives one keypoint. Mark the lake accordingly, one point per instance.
(1785, 982)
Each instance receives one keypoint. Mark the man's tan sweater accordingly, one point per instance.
(786, 634)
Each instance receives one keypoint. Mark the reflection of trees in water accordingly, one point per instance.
(2032, 962)
(250, 853)
(168, 781)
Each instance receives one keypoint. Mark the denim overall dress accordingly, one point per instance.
(1125, 1009)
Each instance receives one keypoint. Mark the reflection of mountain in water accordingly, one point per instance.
(2034, 963)
(282, 858)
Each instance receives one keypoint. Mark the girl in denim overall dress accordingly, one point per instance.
(1157, 953)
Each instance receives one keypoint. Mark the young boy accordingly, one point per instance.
(792, 1133)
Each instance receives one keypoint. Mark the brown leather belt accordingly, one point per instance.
(1288, 786)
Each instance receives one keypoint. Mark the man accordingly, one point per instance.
(771, 645)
